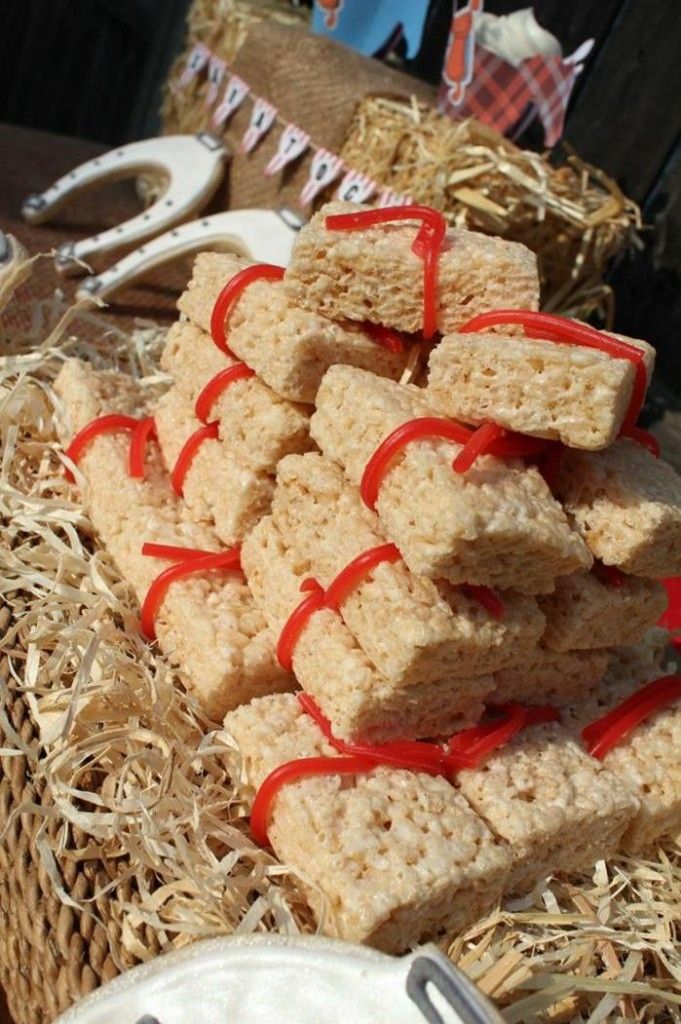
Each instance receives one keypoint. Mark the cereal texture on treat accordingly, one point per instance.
(627, 506)
(289, 348)
(411, 630)
(584, 613)
(373, 274)
(648, 760)
(557, 808)
(496, 525)
(332, 667)
(388, 858)
(545, 676)
(256, 424)
(218, 487)
(568, 393)
(207, 625)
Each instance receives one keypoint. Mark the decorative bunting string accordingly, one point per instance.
(199, 56)
(356, 187)
(293, 142)
(262, 119)
(217, 68)
(235, 93)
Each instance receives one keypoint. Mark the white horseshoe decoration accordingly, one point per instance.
(263, 235)
(15, 266)
(192, 163)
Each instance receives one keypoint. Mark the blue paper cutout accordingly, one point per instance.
(368, 25)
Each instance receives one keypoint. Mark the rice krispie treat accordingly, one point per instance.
(579, 396)
(411, 629)
(627, 506)
(218, 488)
(585, 612)
(555, 807)
(496, 525)
(359, 701)
(207, 625)
(386, 858)
(372, 274)
(288, 347)
(546, 676)
(256, 424)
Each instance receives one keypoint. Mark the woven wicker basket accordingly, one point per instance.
(50, 954)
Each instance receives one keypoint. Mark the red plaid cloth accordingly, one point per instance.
(500, 93)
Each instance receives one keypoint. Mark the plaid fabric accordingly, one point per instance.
(500, 93)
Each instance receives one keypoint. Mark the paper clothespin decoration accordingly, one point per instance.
(390, 198)
(293, 142)
(199, 56)
(236, 92)
(216, 72)
(355, 187)
(262, 119)
(324, 169)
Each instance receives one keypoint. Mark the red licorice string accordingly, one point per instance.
(231, 292)
(610, 575)
(606, 732)
(217, 385)
(293, 771)
(427, 245)
(297, 621)
(188, 562)
(480, 741)
(141, 435)
(478, 444)
(548, 327)
(385, 337)
(643, 437)
(353, 573)
(109, 424)
(508, 445)
(671, 618)
(486, 597)
(186, 456)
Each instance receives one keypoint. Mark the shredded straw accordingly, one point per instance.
(140, 782)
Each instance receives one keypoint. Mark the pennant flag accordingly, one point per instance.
(236, 92)
(262, 119)
(216, 72)
(324, 169)
(355, 187)
(293, 142)
(390, 198)
(196, 61)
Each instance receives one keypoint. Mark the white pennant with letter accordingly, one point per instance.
(293, 142)
(325, 168)
(355, 187)
(196, 61)
(262, 119)
(390, 198)
(216, 72)
(236, 92)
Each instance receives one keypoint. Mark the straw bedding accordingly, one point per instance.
(122, 834)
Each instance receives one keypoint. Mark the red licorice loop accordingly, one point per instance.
(186, 456)
(427, 245)
(480, 741)
(189, 561)
(108, 424)
(606, 732)
(478, 444)
(217, 385)
(141, 435)
(671, 618)
(486, 597)
(353, 573)
(549, 327)
(297, 621)
(230, 294)
(385, 337)
(644, 438)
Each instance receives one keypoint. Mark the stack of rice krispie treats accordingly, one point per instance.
(407, 595)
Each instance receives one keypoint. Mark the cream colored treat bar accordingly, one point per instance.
(555, 807)
(289, 348)
(648, 761)
(545, 676)
(256, 424)
(496, 525)
(218, 487)
(411, 631)
(584, 613)
(207, 625)
(373, 274)
(388, 858)
(567, 393)
(627, 506)
(332, 667)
